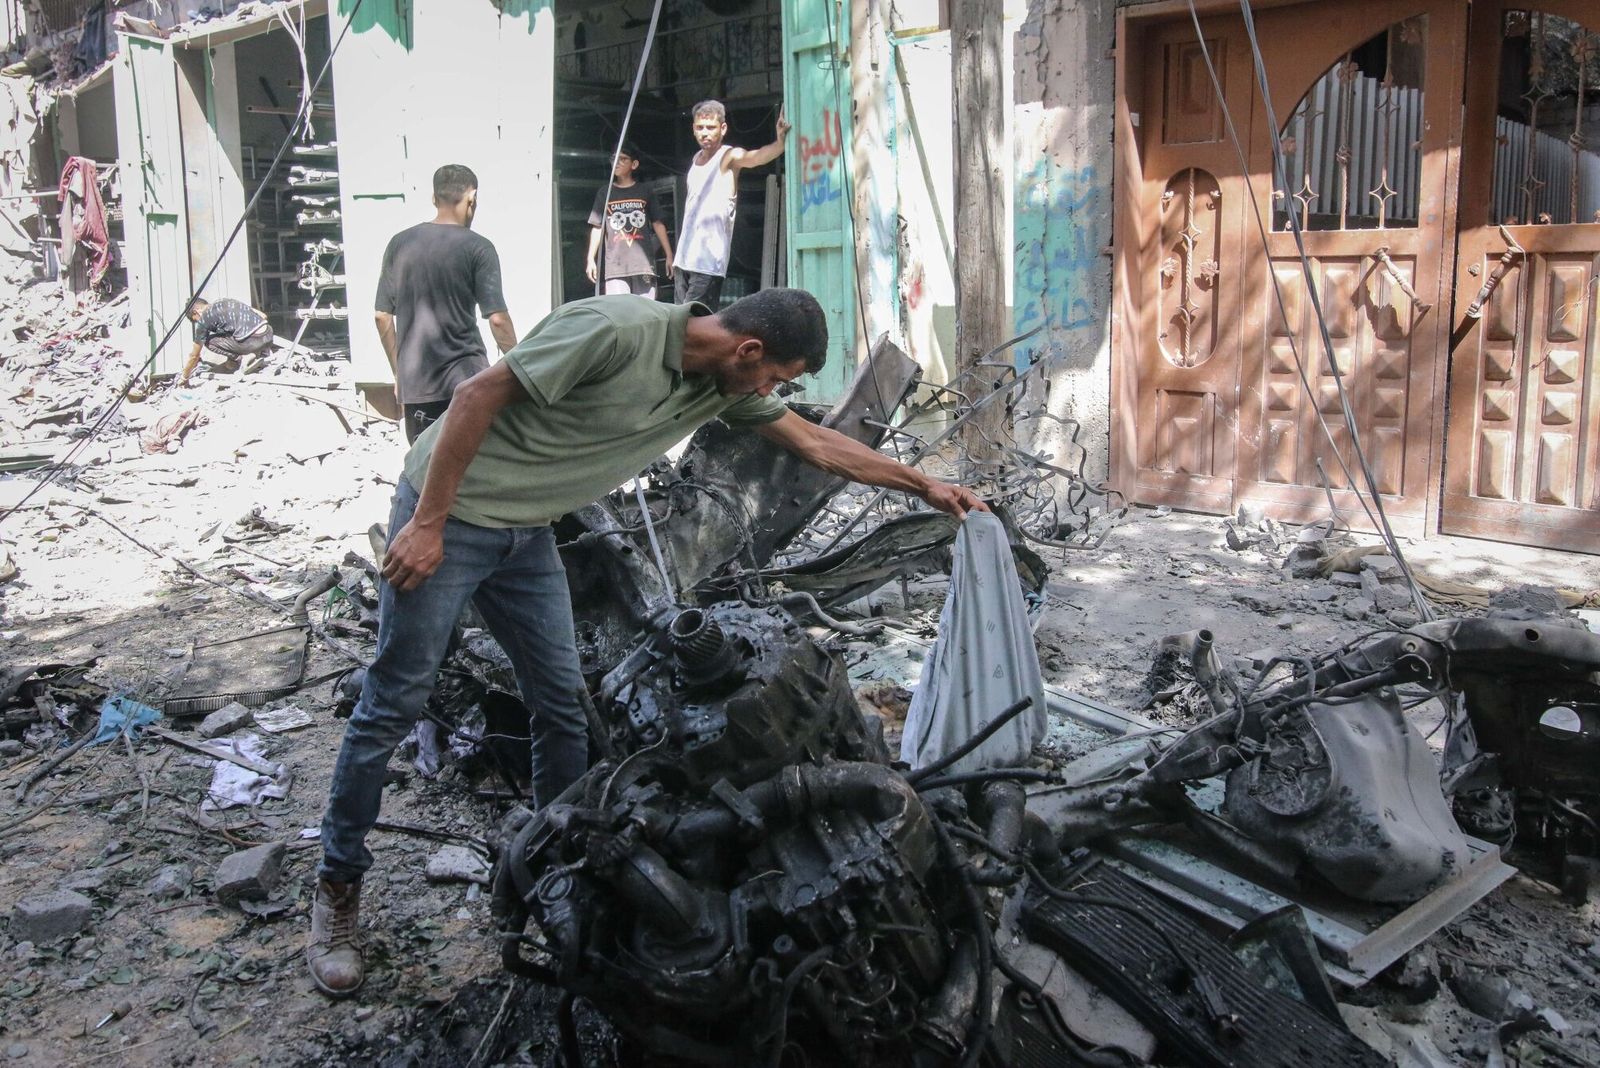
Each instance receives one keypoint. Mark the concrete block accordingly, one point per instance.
(250, 875)
(1390, 596)
(48, 917)
(1383, 566)
(225, 720)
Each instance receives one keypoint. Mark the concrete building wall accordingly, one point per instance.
(411, 94)
(1063, 106)
(924, 180)
(919, 144)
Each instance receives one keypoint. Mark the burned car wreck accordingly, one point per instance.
(745, 877)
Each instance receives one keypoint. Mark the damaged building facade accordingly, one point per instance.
(1149, 232)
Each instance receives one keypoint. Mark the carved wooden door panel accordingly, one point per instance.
(1180, 272)
(1523, 459)
(1369, 132)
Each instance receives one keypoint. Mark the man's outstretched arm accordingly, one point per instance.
(740, 158)
(417, 550)
(839, 455)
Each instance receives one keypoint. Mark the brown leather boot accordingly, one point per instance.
(334, 950)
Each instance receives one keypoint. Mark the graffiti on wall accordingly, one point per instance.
(819, 163)
(1060, 228)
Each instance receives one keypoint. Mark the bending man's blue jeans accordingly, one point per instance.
(515, 579)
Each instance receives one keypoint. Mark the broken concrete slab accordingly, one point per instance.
(1266, 602)
(1385, 595)
(225, 720)
(1527, 601)
(251, 874)
(457, 864)
(50, 917)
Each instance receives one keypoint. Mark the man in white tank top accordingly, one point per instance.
(711, 202)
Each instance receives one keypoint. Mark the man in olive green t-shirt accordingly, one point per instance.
(587, 400)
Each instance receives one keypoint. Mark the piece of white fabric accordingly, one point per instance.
(982, 663)
(233, 786)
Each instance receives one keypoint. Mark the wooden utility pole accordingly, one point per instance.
(980, 242)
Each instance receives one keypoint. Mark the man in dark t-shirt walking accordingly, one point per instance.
(622, 211)
(433, 275)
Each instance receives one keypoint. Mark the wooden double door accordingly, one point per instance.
(1455, 252)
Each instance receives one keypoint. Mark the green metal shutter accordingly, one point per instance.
(150, 157)
(816, 85)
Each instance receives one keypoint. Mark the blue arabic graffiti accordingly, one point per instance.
(1060, 225)
(814, 192)
(818, 159)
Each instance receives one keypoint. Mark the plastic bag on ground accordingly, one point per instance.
(983, 661)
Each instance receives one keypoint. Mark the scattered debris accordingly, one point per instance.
(781, 820)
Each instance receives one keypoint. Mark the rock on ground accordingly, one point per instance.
(249, 875)
(49, 917)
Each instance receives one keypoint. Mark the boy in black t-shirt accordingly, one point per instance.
(623, 216)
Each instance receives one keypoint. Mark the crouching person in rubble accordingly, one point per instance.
(229, 329)
(596, 392)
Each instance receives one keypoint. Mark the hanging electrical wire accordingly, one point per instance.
(50, 473)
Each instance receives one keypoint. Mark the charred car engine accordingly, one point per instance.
(742, 872)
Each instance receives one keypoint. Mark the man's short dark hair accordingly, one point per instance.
(713, 108)
(788, 322)
(452, 182)
(631, 151)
